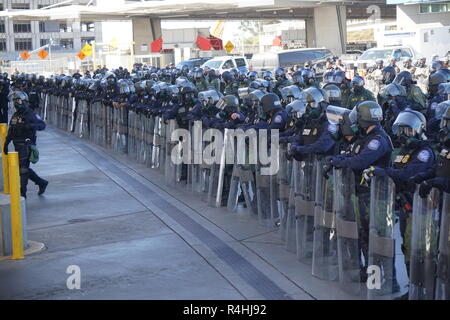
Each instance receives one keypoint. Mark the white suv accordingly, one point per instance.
(226, 63)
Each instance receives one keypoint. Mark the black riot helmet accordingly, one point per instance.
(341, 117)
(270, 103)
(290, 93)
(328, 77)
(279, 73)
(227, 77)
(404, 78)
(366, 114)
(228, 101)
(296, 109)
(19, 100)
(267, 75)
(393, 90)
(123, 86)
(308, 76)
(297, 78)
(388, 74)
(357, 84)
(333, 93)
(409, 123)
(197, 73)
(252, 75)
(435, 79)
(338, 77)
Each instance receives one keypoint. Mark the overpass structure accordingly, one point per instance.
(325, 20)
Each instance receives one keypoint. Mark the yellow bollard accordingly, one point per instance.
(3, 134)
(16, 214)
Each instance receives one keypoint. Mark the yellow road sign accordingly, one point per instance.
(87, 50)
(43, 54)
(229, 46)
(81, 55)
(25, 55)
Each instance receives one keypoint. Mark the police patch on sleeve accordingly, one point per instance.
(332, 128)
(423, 156)
(374, 144)
(278, 119)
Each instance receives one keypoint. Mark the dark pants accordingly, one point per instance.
(3, 110)
(24, 165)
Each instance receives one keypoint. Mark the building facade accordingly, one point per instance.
(421, 13)
(66, 35)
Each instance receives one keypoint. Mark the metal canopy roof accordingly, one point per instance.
(185, 9)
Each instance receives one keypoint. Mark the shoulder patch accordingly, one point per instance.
(332, 128)
(424, 156)
(278, 119)
(374, 144)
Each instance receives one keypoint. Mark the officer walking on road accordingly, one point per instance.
(22, 132)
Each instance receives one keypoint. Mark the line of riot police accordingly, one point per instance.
(351, 163)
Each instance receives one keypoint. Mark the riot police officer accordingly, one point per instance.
(358, 92)
(415, 156)
(373, 147)
(415, 96)
(281, 80)
(22, 132)
(231, 86)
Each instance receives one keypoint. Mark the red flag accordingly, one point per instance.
(203, 43)
(156, 45)
(216, 43)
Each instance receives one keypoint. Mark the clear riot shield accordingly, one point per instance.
(305, 210)
(381, 239)
(72, 112)
(290, 230)
(170, 167)
(44, 110)
(93, 121)
(76, 121)
(67, 110)
(148, 138)
(443, 263)
(216, 194)
(324, 261)
(140, 136)
(284, 187)
(102, 125)
(194, 184)
(157, 139)
(263, 198)
(59, 111)
(424, 245)
(122, 130)
(346, 208)
(109, 125)
(114, 128)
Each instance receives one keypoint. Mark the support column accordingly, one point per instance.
(310, 33)
(330, 28)
(145, 31)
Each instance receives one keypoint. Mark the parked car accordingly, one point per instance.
(226, 63)
(192, 63)
(268, 61)
(369, 57)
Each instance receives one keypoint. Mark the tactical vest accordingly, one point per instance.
(443, 164)
(312, 130)
(18, 131)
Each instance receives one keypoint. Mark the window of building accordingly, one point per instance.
(20, 6)
(87, 40)
(2, 45)
(2, 27)
(22, 26)
(23, 44)
(1, 6)
(64, 28)
(66, 43)
(88, 26)
(44, 42)
(435, 7)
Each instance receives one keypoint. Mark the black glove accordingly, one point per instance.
(412, 182)
(5, 147)
(424, 189)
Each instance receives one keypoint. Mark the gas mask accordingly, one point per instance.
(313, 112)
(20, 105)
(357, 89)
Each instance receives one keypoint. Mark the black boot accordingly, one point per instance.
(42, 187)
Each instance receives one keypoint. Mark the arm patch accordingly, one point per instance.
(423, 156)
(374, 144)
(278, 119)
